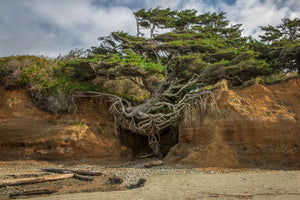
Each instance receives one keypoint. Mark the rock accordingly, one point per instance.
(115, 180)
(139, 184)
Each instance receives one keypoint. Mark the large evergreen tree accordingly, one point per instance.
(282, 47)
(188, 52)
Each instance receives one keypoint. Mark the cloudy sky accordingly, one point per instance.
(51, 27)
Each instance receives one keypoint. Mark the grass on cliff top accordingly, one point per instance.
(42, 73)
(50, 82)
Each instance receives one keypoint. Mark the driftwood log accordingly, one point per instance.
(153, 164)
(84, 178)
(33, 192)
(20, 181)
(146, 156)
(80, 172)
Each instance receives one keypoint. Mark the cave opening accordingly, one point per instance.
(139, 143)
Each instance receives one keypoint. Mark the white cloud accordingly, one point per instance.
(53, 27)
(254, 13)
(199, 5)
(173, 4)
(250, 13)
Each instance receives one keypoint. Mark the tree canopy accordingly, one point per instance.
(191, 51)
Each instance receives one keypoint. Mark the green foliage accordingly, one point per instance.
(49, 82)
(283, 34)
(195, 41)
(193, 44)
(272, 34)
(270, 79)
(148, 65)
(223, 62)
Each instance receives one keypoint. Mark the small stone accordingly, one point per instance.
(139, 184)
(115, 180)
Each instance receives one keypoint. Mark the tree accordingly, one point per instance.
(287, 31)
(283, 47)
(196, 52)
(153, 19)
(272, 34)
(290, 29)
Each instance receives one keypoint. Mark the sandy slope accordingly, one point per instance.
(242, 185)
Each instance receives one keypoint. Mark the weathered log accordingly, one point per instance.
(33, 192)
(153, 164)
(80, 177)
(146, 156)
(20, 181)
(84, 178)
(56, 170)
(83, 172)
(80, 172)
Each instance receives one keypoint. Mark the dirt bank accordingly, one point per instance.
(27, 133)
(257, 126)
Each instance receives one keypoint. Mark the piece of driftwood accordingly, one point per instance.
(33, 192)
(80, 172)
(153, 164)
(146, 156)
(80, 177)
(84, 178)
(20, 181)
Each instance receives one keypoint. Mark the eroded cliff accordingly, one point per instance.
(257, 126)
(29, 133)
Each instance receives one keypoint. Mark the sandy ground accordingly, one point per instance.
(234, 185)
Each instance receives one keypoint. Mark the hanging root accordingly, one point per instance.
(199, 105)
(153, 140)
(192, 107)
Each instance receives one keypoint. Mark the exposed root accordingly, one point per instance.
(149, 123)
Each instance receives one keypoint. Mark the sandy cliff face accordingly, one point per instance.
(29, 133)
(258, 127)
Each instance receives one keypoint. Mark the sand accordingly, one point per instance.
(264, 185)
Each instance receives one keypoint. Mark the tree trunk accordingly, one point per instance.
(298, 61)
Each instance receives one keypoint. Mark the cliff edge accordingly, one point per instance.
(257, 126)
(26, 132)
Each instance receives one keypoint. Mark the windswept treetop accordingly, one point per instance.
(189, 50)
(286, 32)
